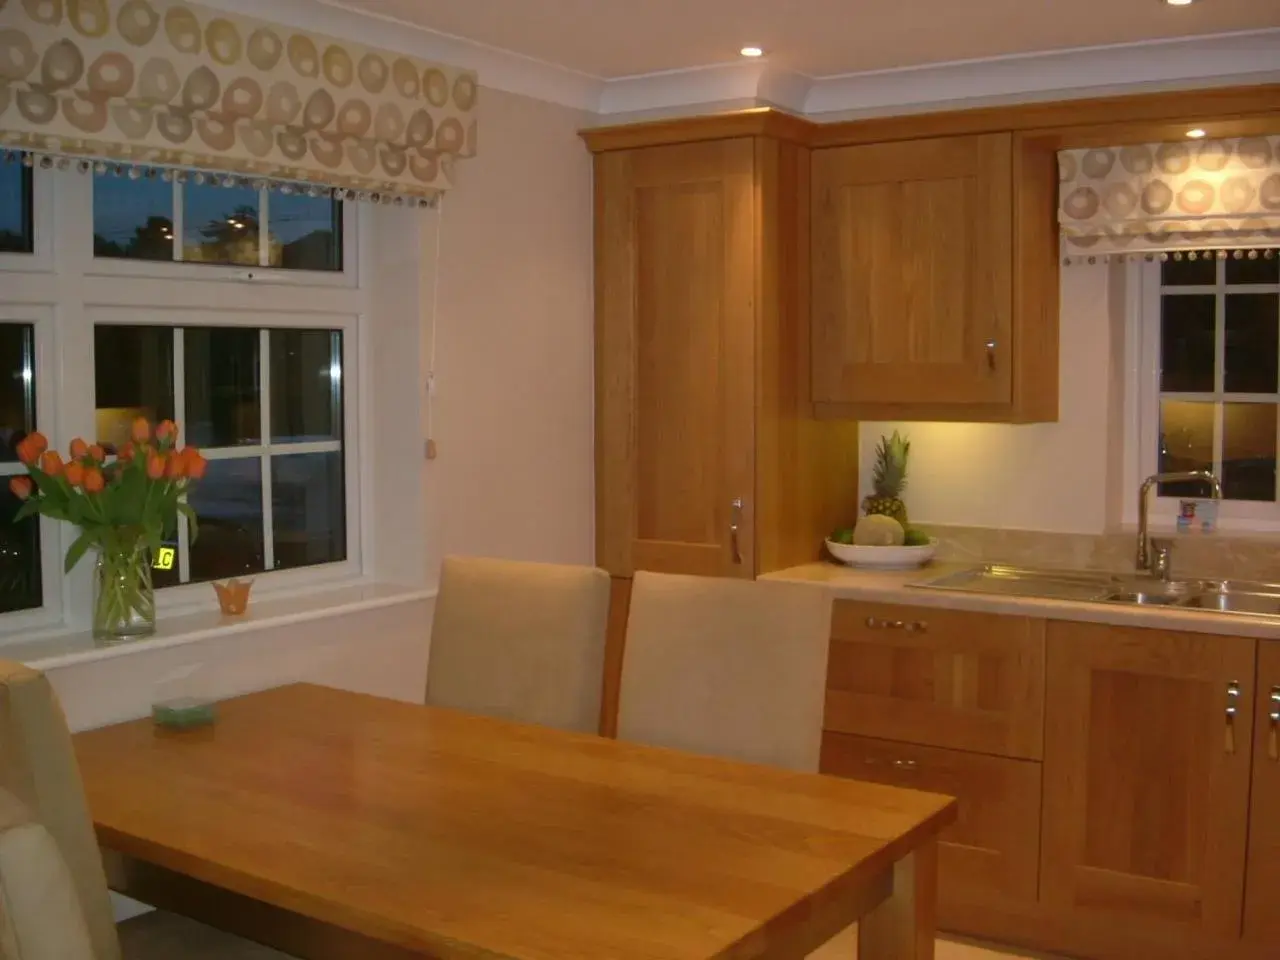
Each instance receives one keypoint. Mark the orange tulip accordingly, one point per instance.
(141, 431)
(39, 442)
(51, 463)
(94, 480)
(176, 467)
(79, 449)
(126, 451)
(27, 452)
(20, 487)
(196, 464)
(96, 453)
(75, 473)
(155, 466)
(167, 431)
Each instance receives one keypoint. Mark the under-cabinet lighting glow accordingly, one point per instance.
(1179, 3)
(1195, 134)
(751, 52)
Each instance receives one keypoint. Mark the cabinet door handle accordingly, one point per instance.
(991, 355)
(1233, 703)
(1273, 715)
(911, 626)
(909, 765)
(735, 519)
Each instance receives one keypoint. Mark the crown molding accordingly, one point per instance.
(1120, 68)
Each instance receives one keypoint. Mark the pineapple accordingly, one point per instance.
(889, 479)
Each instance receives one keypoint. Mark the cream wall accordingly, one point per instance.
(513, 416)
(1051, 476)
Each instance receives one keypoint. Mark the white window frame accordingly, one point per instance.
(1143, 400)
(66, 290)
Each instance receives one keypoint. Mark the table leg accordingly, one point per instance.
(903, 927)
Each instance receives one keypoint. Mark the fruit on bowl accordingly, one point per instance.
(889, 479)
(878, 530)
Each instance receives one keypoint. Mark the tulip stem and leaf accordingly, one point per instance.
(125, 508)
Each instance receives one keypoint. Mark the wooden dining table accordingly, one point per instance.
(335, 825)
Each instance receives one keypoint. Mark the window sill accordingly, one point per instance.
(63, 649)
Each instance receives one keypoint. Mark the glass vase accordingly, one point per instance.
(124, 603)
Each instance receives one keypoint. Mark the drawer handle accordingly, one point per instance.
(1273, 738)
(911, 626)
(909, 765)
(1233, 701)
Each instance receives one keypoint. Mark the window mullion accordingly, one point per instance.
(179, 223)
(264, 414)
(264, 235)
(180, 414)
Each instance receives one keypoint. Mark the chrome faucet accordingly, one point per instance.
(1153, 555)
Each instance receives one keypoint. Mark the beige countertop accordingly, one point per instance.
(896, 586)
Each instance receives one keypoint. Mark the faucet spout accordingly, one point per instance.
(1144, 560)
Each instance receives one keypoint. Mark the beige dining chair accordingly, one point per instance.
(729, 668)
(520, 641)
(48, 845)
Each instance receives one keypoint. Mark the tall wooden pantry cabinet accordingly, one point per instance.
(708, 458)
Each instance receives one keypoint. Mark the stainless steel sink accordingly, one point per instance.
(1241, 597)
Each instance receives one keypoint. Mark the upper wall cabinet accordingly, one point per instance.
(935, 280)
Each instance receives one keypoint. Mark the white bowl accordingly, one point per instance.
(883, 558)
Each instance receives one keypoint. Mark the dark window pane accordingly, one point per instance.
(308, 509)
(1262, 269)
(1252, 342)
(1249, 451)
(220, 224)
(305, 233)
(228, 504)
(1186, 443)
(16, 233)
(306, 385)
(1186, 342)
(222, 386)
(133, 377)
(19, 555)
(1187, 272)
(17, 388)
(132, 218)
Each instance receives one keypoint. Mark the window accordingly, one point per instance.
(1211, 347)
(148, 218)
(20, 576)
(265, 406)
(16, 233)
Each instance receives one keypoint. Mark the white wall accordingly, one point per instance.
(1051, 476)
(513, 415)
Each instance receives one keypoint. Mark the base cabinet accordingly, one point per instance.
(1262, 884)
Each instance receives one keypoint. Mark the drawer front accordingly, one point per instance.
(940, 678)
(991, 854)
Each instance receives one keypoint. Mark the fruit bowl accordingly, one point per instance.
(883, 558)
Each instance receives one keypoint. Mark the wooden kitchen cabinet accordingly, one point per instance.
(1146, 779)
(991, 855)
(935, 273)
(1262, 884)
(708, 458)
(936, 677)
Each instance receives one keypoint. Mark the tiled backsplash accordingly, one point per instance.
(1219, 555)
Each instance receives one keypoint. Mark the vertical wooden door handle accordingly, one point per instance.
(735, 520)
(1233, 704)
(1273, 733)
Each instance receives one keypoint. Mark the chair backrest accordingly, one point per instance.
(40, 914)
(38, 767)
(520, 641)
(731, 668)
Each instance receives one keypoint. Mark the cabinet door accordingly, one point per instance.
(675, 329)
(1146, 778)
(991, 854)
(942, 678)
(912, 272)
(1262, 888)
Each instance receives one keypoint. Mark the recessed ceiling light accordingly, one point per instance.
(1179, 3)
(1195, 134)
(751, 52)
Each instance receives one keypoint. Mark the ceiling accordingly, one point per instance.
(820, 38)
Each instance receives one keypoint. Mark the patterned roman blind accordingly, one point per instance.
(164, 83)
(1160, 197)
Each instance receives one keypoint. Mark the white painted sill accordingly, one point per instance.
(61, 649)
